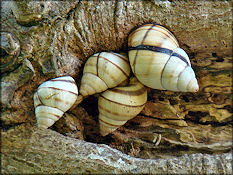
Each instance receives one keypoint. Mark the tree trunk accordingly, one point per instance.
(177, 132)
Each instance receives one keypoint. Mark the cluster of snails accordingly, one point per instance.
(155, 59)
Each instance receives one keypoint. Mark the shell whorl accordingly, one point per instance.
(102, 71)
(157, 60)
(120, 104)
(53, 98)
(46, 116)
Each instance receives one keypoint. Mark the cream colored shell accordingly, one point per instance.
(120, 104)
(102, 71)
(53, 98)
(157, 60)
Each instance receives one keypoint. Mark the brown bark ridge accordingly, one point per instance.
(46, 151)
(175, 133)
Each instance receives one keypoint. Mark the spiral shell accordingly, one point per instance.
(120, 104)
(53, 98)
(102, 71)
(157, 60)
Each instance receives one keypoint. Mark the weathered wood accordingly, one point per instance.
(30, 150)
(57, 37)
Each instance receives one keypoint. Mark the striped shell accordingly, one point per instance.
(53, 98)
(120, 104)
(102, 71)
(157, 60)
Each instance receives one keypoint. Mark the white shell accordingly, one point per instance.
(46, 116)
(158, 62)
(53, 98)
(102, 71)
(120, 104)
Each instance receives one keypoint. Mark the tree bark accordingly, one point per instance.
(186, 133)
(46, 151)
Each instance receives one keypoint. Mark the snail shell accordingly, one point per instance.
(157, 60)
(102, 71)
(53, 98)
(120, 104)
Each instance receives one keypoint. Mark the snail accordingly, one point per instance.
(120, 104)
(157, 60)
(102, 71)
(53, 98)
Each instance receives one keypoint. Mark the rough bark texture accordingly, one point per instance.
(37, 151)
(175, 133)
